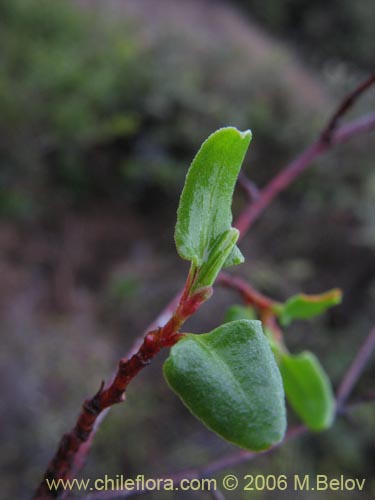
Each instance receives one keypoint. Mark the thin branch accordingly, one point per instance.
(344, 107)
(158, 322)
(355, 370)
(251, 296)
(356, 127)
(264, 306)
(75, 444)
(294, 169)
(162, 318)
(248, 187)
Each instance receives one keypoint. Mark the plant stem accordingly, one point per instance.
(264, 305)
(297, 167)
(74, 444)
(345, 105)
(355, 370)
(251, 296)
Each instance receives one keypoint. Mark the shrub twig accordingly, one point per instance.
(69, 454)
(74, 446)
(355, 369)
(344, 107)
(248, 293)
(294, 169)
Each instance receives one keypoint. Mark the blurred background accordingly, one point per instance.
(102, 107)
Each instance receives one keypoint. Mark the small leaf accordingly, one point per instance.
(308, 389)
(229, 379)
(204, 212)
(239, 312)
(217, 256)
(307, 306)
(235, 258)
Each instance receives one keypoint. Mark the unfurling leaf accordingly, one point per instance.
(216, 259)
(307, 306)
(308, 389)
(204, 213)
(229, 379)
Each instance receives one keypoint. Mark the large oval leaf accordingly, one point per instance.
(308, 389)
(229, 379)
(204, 212)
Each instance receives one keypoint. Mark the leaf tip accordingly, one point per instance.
(246, 134)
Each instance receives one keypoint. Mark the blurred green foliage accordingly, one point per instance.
(91, 107)
(333, 29)
(67, 81)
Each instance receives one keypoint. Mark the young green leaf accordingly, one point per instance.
(307, 306)
(229, 379)
(204, 212)
(216, 258)
(308, 389)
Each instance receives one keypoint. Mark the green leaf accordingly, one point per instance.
(307, 306)
(239, 312)
(204, 212)
(308, 389)
(235, 258)
(219, 253)
(229, 379)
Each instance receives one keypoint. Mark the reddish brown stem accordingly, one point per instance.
(264, 305)
(251, 296)
(297, 167)
(64, 463)
(345, 105)
(355, 370)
